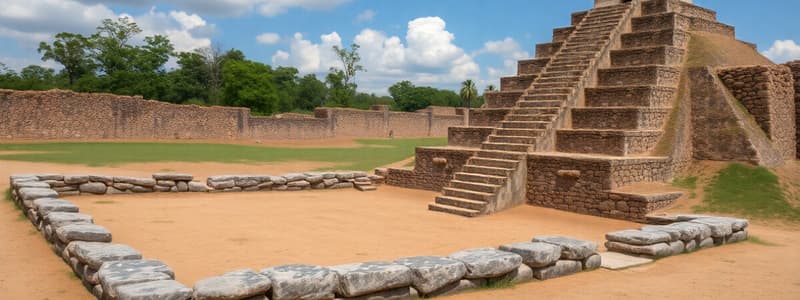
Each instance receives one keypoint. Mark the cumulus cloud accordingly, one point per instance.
(366, 15)
(269, 8)
(428, 56)
(268, 38)
(32, 21)
(186, 31)
(783, 51)
(509, 51)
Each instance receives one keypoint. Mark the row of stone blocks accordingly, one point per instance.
(690, 233)
(294, 182)
(116, 271)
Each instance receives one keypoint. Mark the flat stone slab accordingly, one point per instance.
(487, 262)
(118, 273)
(94, 254)
(234, 285)
(692, 231)
(173, 176)
(460, 286)
(638, 237)
(145, 182)
(36, 193)
(365, 278)
(154, 290)
(561, 268)
(402, 293)
(292, 282)
(110, 284)
(655, 250)
(93, 188)
(32, 184)
(430, 273)
(535, 255)
(674, 233)
(83, 232)
(737, 224)
(619, 261)
(570, 248)
(719, 228)
(44, 206)
(58, 219)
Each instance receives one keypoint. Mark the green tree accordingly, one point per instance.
(249, 84)
(468, 92)
(491, 88)
(111, 43)
(408, 97)
(73, 51)
(350, 61)
(310, 93)
(339, 94)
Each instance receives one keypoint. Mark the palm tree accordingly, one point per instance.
(491, 88)
(468, 92)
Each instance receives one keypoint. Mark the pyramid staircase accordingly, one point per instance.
(495, 178)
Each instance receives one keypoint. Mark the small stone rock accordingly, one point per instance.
(592, 262)
(197, 187)
(76, 179)
(154, 290)
(330, 182)
(535, 255)
(431, 273)
(638, 237)
(234, 285)
(706, 243)
(95, 254)
(107, 180)
(690, 246)
(83, 232)
(293, 282)
(96, 188)
(655, 250)
(459, 286)
(559, 269)
(173, 176)
(58, 219)
(365, 278)
(570, 248)
(168, 183)
(487, 262)
(182, 186)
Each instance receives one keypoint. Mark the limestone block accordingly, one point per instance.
(736, 237)
(95, 254)
(393, 294)
(107, 180)
(145, 182)
(638, 237)
(655, 250)
(364, 278)
(459, 286)
(692, 231)
(677, 247)
(570, 248)
(487, 262)
(83, 232)
(58, 219)
(535, 255)
(45, 206)
(674, 233)
(197, 187)
(559, 269)
(431, 273)
(292, 282)
(592, 262)
(76, 179)
(116, 273)
(96, 188)
(173, 176)
(719, 229)
(235, 285)
(154, 290)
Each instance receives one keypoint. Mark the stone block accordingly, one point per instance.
(559, 269)
(36, 193)
(592, 262)
(736, 223)
(573, 249)
(535, 255)
(154, 290)
(235, 285)
(278, 180)
(487, 262)
(94, 254)
(167, 183)
(706, 243)
(58, 219)
(365, 278)
(182, 186)
(677, 247)
(523, 273)
(173, 176)
(459, 286)
(294, 177)
(145, 182)
(292, 282)
(674, 233)
(76, 179)
(719, 229)
(393, 294)
(431, 273)
(107, 180)
(690, 246)
(638, 237)
(96, 188)
(118, 273)
(197, 187)
(692, 231)
(736, 237)
(45, 206)
(619, 261)
(655, 250)
(83, 232)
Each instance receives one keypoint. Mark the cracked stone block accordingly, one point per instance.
(487, 262)
(154, 290)
(559, 269)
(573, 249)
(655, 250)
(430, 273)
(359, 279)
(118, 273)
(307, 282)
(674, 233)
(94, 254)
(235, 285)
(692, 231)
(719, 228)
(83, 232)
(45, 206)
(535, 255)
(638, 237)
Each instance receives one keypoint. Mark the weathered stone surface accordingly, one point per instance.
(58, 219)
(146, 182)
(83, 232)
(592, 262)
(674, 233)
(638, 237)
(197, 187)
(522, 274)
(330, 182)
(94, 254)
(393, 294)
(736, 237)
(344, 176)
(113, 191)
(154, 290)
(692, 231)
(690, 246)
(278, 180)
(706, 243)
(182, 186)
(430, 273)
(459, 286)
(44, 206)
(108, 180)
(736, 223)
(232, 286)
(32, 184)
(655, 250)
(248, 181)
(222, 184)
(561, 268)
(570, 248)
(57, 177)
(162, 189)
(76, 179)
(114, 274)
(173, 176)
(314, 178)
(619, 261)
(719, 229)
(122, 186)
(364, 278)
(306, 282)
(535, 255)
(343, 185)
(298, 184)
(168, 183)
(141, 189)
(487, 262)
(294, 177)
(677, 247)
(96, 188)
(36, 193)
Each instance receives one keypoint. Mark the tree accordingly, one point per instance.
(408, 97)
(310, 93)
(491, 88)
(468, 92)
(73, 51)
(112, 50)
(339, 93)
(350, 59)
(249, 84)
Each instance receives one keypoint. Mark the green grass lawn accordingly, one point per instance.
(748, 191)
(368, 155)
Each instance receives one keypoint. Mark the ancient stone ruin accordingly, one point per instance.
(620, 98)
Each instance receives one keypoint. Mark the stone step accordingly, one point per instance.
(461, 203)
(570, 79)
(562, 34)
(563, 68)
(580, 49)
(588, 40)
(481, 178)
(598, 26)
(531, 66)
(470, 213)
(540, 118)
(548, 49)
(550, 91)
(543, 97)
(519, 132)
(537, 111)
(645, 95)
(507, 147)
(661, 21)
(625, 118)
(474, 186)
(500, 154)
(502, 99)
(492, 162)
(601, 17)
(668, 37)
(658, 55)
(562, 74)
(639, 75)
(608, 142)
(467, 194)
(516, 83)
(507, 139)
(487, 170)
(569, 62)
(523, 124)
(540, 103)
(656, 7)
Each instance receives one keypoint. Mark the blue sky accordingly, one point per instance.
(436, 43)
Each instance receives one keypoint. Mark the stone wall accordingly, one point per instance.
(795, 67)
(433, 169)
(768, 94)
(468, 136)
(58, 114)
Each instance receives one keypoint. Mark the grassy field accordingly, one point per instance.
(369, 154)
(748, 191)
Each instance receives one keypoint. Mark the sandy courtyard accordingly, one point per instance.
(201, 235)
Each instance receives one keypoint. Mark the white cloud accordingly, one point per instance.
(429, 56)
(366, 15)
(269, 8)
(509, 51)
(185, 31)
(32, 21)
(268, 38)
(783, 51)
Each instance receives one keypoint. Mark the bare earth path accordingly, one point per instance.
(198, 238)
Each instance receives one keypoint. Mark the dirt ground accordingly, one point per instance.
(207, 234)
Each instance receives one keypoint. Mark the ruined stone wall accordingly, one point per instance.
(433, 169)
(795, 67)
(460, 136)
(58, 114)
(768, 94)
